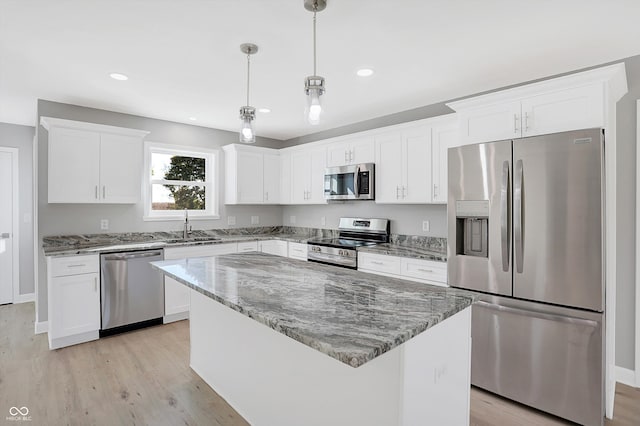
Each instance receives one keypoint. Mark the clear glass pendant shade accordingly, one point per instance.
(246, 131)
(313, 110)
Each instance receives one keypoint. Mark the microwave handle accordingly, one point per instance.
(356, 182)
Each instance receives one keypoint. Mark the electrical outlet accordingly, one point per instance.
(426, 226)
(323, 221)
(292, 220)
(104, 224)
(231, 220)
(255, 220)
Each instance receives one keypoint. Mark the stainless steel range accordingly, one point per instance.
(354, 233)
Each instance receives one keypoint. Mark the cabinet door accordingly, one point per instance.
(285, 178)
(271, 179)
(416, 144)
(120, 168)
(388, 167)
(177, 297)
(571, 109)
(250, 175)
(445, 136)
(337, 154)
(300, 176)
(74, 166)
(318, 159)
(276, 247)
(362, 150)
(490, 123)
(75, 304)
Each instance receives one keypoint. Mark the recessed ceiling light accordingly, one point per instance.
(264, 110)
(364, 72)
(192, 118)
(118, 76)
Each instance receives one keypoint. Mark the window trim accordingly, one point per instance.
(211, 183)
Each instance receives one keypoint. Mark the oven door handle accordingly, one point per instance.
(356, 183)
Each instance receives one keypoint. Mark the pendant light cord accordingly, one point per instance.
(314, 39)
(248, 72)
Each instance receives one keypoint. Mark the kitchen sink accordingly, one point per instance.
(191, 240)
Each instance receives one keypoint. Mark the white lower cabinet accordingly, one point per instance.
(420, 270)
(73, 299)
(247, 246)
(297, 251)
(276, 247)
(176, 295)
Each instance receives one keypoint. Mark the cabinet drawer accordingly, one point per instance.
(379, 263)
(247, 246)
(298, 251)
(74, 265)
(425, 270)
(199, 251)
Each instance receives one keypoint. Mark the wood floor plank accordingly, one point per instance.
(143, 378)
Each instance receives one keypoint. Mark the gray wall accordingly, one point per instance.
(405, 219)
(408, 219)
(626, 186)
(21, 137)
(59, 219)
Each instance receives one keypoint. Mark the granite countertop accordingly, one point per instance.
(406, 250)
(104, 243)
(351, 316)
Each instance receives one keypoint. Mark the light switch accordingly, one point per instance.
(255, 220)
(425, 226)
(104, 224)
(231, 220)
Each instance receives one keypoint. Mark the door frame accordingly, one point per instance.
(14, 223)
(637, 268)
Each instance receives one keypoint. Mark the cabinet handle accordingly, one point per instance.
(404, 191)
(515, 124)
(104, 192)
(346, 156)
(77, 265)
(526, 121)
(425, 270)
(397, 192)
(435, 191)
(377, 263)
(96, 192)
(350, 155)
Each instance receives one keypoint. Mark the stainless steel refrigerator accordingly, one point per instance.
(526, 231)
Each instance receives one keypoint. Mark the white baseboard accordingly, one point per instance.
(42, 327)
(24, 298)
(626, 377)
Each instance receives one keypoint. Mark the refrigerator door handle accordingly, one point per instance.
(535, 314)
(517, 215)
(504, 216)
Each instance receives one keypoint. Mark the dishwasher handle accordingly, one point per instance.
(136, 255)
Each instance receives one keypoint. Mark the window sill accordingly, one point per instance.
(179, 218)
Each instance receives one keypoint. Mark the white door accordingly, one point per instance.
(300, 176)
(8, 220)
(250, 177)
(271, 178)
(120, 168)
(316, 180)
(445, 136)
(416, 144)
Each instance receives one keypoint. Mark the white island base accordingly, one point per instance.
(271, 379)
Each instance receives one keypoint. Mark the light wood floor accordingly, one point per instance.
(143, 377)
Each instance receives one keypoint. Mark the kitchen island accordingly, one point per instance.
(289, 342)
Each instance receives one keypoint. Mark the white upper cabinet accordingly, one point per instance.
(307, 175)
(252, 175)
(285, 177)
(571, 102)
(403, 165)
(444, 135)
(351, 151)
(92, 163)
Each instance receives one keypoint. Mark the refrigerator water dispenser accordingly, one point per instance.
(472, 228)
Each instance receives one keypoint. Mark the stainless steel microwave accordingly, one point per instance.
(352, 182)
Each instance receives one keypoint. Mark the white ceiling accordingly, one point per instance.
(183, 57)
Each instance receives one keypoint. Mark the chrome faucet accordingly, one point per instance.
(186, 230)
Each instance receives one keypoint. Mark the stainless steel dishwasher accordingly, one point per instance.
(131, 291)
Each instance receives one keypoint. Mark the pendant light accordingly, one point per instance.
(314, 84)
(247, 113)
